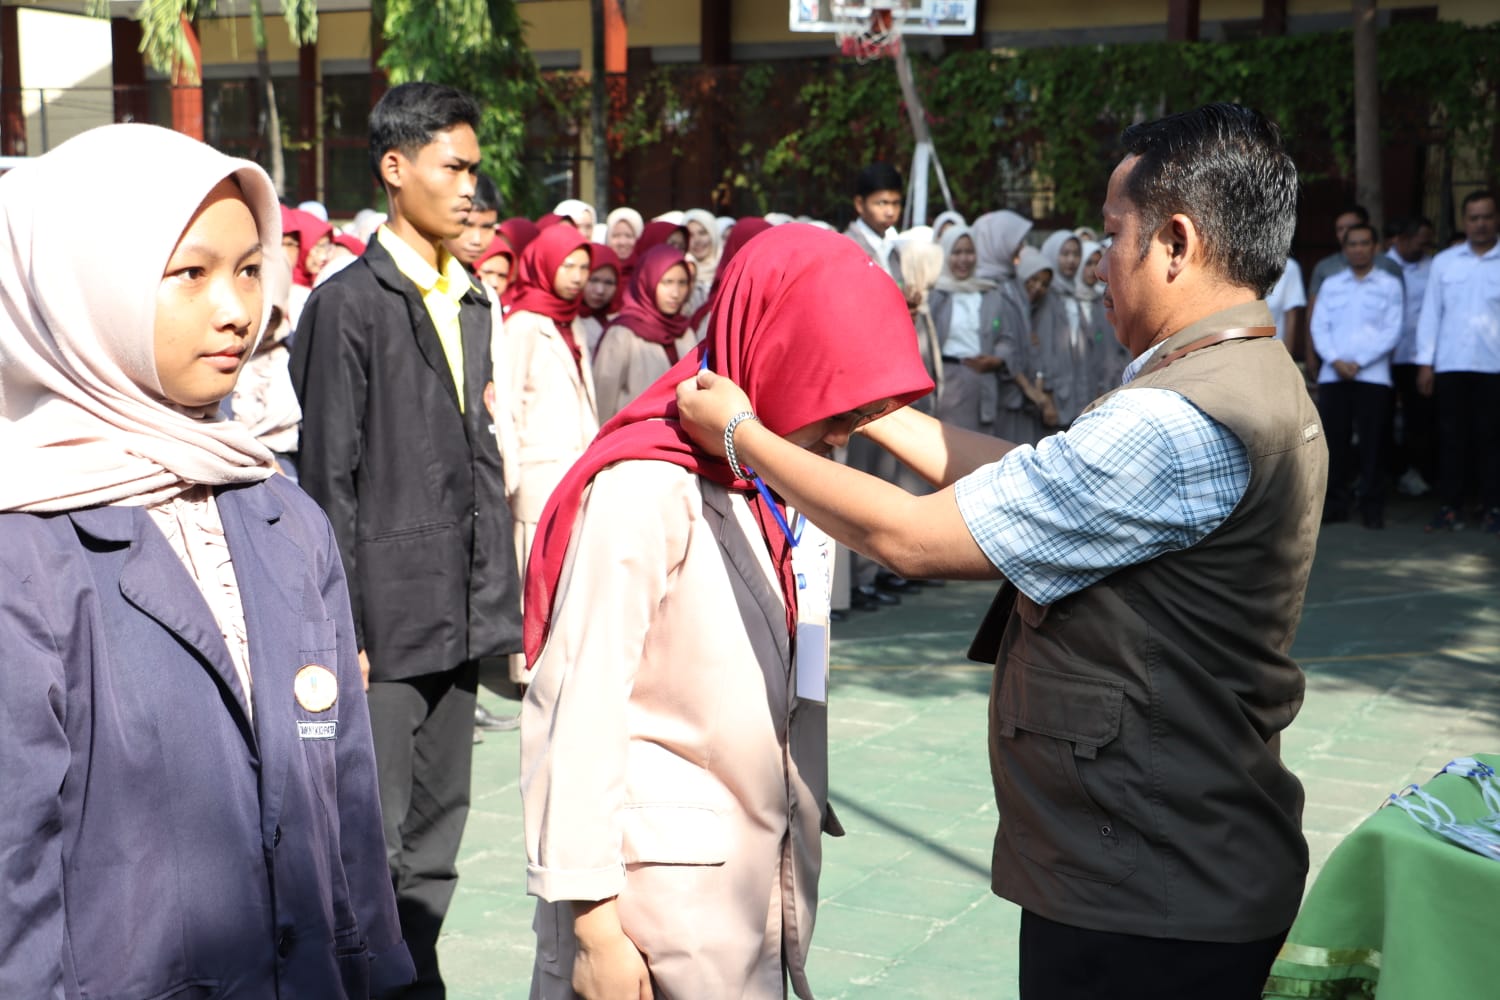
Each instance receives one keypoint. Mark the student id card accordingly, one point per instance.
(812, 564)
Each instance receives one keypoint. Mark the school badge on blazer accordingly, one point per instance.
(316, 688)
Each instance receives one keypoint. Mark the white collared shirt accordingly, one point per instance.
(1459, 328)
(1358, 320)
(882, 245)
(1414, 277)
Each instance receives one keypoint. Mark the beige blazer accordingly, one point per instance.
(551, 407)
(625, 366)
(663, 759)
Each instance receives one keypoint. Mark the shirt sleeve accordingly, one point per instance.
(1430, 317)
(1145, 474)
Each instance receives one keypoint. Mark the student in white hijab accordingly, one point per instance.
(998, 237)
(622, 228)
(966, 313)
(1070, 369)
(943, 221)
(580, 213)
(1107, 356)
(998, 241)
(315, 208)
(704, 247)
(147, 547)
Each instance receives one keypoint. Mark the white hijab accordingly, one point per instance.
(572, 208)
(946, 281)
(1087, 293)
(997, 239)
(629, 216)
(1051, 249)
(706, 267)
(81, 408)
(948, 218)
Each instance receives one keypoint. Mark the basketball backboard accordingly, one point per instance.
(913, 17)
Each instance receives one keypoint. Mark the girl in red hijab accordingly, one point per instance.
(550, 389)
(496, 266)
(602, 294)
(518, 232)
(673, 799)
(649, 335)
(305, 239)
(654, 235)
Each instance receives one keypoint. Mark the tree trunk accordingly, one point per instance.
(1368, 184)
(599, 111)
(275, 157)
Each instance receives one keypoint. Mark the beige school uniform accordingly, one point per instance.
(553, 419)
(663, 759)
(625, 366)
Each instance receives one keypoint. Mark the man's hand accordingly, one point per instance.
(608, 965)
(1425, 381)
(1346, 369)
(706, 403)
(364, 668)
(984, 364)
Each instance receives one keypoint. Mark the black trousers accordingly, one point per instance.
(1061, 962)
(1417, 447)
(1468, 414)
(1350, 408)
(424, 753)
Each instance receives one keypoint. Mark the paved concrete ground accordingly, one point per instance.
(1400, 640)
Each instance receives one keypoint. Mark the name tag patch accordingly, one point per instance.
(318, 730)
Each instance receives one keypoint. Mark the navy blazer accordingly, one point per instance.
(154, 841)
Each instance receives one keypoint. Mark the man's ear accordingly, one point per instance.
(1180, 236)
(393, 167)
(859, 205)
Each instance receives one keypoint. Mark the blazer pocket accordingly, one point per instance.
(673, 833)
(318, 636)
(1059, 800)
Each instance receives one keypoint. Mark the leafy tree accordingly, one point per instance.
(165, 45)
(476, 46)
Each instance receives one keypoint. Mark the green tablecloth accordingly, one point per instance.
(1399, 914)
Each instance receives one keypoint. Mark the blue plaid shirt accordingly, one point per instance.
(1145, 473)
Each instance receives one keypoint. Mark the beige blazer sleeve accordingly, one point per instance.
(552, 407)
(575, 739)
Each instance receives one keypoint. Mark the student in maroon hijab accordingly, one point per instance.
(496, 266)
(603, 294)
(306, 240)
(518, 232)
(654, 235)
(649, 335)
(674, 801)
(743, 230)
(550, 391)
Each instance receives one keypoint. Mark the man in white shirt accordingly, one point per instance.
(1458, 351)
(1412, 241)
(1354, 330)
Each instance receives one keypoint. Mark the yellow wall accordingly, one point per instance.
(557, 26)
(228, 40)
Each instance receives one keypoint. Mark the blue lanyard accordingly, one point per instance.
(792, 537)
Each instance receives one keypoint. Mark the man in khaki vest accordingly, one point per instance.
(1155, 558)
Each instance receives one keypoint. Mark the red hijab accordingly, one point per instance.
(308, 229)
(353, 244)
(640, 315)
(535, 270)
(497, 248)
(781, 333)
(654, 235)
(738, 237)
(600, 257)
(518, 232)
(549, 220)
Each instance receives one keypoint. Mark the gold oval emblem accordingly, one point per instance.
(316, 688)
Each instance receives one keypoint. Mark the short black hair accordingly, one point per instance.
(1482, 194)
(408, 115)
(486, 195)
(1361, 227)
(1224, 167)
(1410, 226)
(878, 176)
(1358, 211)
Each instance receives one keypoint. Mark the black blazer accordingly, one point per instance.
(414, 487)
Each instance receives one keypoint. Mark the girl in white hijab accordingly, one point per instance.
(580, 213)
(180, 671)
(1107, 356)
(622, 228)
(966, 312)
(943, 221)
(704, 246)
(998, 237)
(1071, 372)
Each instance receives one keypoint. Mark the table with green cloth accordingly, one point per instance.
(1399, 913)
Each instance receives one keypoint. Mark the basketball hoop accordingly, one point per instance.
(867, 33)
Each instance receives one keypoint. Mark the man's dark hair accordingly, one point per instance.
(408, 116)
(878, 176)
(1361, 227)
(1409, 227)
(486, 195)
(1358, 211)
(1224, 167)
(1473, 196)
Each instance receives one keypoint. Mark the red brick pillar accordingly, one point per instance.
(187, 87)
